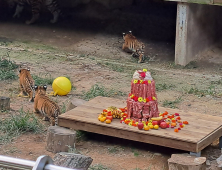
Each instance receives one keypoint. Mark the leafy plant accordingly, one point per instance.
(172, 104)
(7, 69)
(47, 80)
(17, 124)
(201, 93)
(161, 87)
(97, 90)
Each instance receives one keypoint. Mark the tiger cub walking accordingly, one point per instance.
(36, 6)
(26, 83)
(133, 46)
(48, 108)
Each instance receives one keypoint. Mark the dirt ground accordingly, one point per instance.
(88, 51)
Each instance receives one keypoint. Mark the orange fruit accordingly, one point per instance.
(174, 124)
(108, 121)
(156, 126)
(151, 126)
(103, 119)
(146, 128)
(100, 116)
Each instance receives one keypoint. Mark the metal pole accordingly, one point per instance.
(21, 164)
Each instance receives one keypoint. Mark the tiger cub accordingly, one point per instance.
(36, 6)
(133, 46)
(26, 83)
(48, 108)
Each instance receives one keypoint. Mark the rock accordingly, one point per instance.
(186, 162)
(59, 139)
(208, 162)
(72, 160)
(74, 103)
(4, 103)
(219, 161)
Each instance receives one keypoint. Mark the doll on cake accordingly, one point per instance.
(142, 101)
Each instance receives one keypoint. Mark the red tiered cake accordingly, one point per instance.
(142, 101)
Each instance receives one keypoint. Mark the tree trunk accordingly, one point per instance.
(59, 139)
(72, 160)
(4, 103)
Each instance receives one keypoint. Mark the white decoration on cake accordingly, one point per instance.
(137, 76)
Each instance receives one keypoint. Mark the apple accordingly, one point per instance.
(109, 117)
(155, 122)
(163, 125)
(140, 125)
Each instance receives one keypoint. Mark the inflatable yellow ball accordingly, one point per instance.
(61, 86)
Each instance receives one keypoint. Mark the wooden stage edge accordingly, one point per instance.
(202, 129)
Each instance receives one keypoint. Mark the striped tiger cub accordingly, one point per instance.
(36, 6)
(48, 108)
(26, 83)
(132, 45)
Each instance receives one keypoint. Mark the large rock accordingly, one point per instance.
(186, 162)
(59, 139)
(72, 160)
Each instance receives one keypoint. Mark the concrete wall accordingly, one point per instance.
(200, 29)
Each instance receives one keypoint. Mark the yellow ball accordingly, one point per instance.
(61, 86)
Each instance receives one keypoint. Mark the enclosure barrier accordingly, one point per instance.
(42, 163)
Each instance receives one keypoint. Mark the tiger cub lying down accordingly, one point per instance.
(48, 108)
(132, 45)
(36, 6)
(26, 83)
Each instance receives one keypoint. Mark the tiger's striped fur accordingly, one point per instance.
(36, 6)
(133, 46)
(48, 108)
(26, 83)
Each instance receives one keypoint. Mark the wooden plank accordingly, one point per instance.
(109, 131)
(210, 2)
(210, 138)
(202, 131)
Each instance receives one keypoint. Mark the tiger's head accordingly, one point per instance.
(40, 90)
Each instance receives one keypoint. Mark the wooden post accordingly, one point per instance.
(4, 103)
(72, 160)
(59, 139)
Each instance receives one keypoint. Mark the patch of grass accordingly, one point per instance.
(172, 104)
(113, 149)
(63, 108)
(98, 167)
(98, 90)
(7, 69)
(190, 65)
(80, 135)
(73, 150)
(201, 93)
(135, 153)
(115, 67)
(161, 87)
(218, 82)
(46, 80)
(18, 124)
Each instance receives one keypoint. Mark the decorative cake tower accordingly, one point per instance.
(142, 101)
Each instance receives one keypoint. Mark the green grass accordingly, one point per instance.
(63, 108)
(172, 104)
(99, 90)
(113, 149)
(115, 67)
(7, 69)
(43, 80)
(98, 167)
(201, 93)
(161, 87)
(18, 124)
(135, 153)
(81, 135)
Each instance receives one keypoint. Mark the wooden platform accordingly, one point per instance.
(202, 130)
